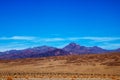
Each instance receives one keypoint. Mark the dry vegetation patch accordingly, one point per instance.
(108, 63)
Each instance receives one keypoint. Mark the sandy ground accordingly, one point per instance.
(108, 64)
(57, 65)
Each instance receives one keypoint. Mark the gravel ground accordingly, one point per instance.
(57, 79)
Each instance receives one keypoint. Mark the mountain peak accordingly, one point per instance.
(73, 44)
(76, 48)
(46, 51)
(73, 47)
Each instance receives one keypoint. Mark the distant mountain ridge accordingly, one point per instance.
(46, 51)
(75, 48)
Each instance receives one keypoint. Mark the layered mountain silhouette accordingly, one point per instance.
(75, 48)
(46, 51)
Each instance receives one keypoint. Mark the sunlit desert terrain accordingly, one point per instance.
(108, 63)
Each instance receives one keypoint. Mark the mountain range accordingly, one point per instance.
(46, 51)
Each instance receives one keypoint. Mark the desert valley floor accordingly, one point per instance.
(108, 63)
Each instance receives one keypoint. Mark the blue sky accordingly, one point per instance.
(29, 23)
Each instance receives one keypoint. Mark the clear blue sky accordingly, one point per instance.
(28, 23)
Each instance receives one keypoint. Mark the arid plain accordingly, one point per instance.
(108, 63)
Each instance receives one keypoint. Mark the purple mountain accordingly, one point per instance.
(75, 48)
(46, 51)
(43, 51)
(117, 50)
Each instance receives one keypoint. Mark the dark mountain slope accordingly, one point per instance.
(75, 48)
(46, 51)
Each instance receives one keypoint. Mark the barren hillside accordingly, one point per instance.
(108, 63)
